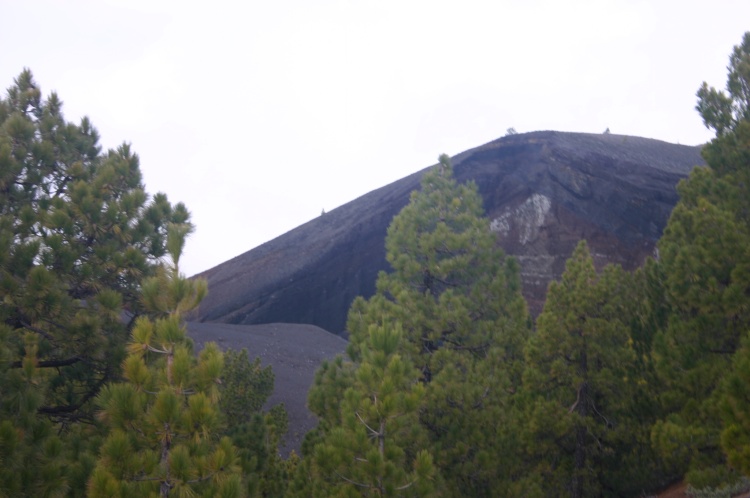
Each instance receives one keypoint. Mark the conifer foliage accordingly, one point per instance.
(163, 418)
(735, 407)
(452, 289)
(629, 382)
(245, 388)
(579, 364)
(369, 453)
(457, 299)
(31, 462)
(705, 263)
(78, 234)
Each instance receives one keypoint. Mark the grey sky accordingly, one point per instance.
(260, 114)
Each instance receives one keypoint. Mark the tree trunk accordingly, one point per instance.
(580, 451)
(582, 411)
(166, 444)
(381, 439)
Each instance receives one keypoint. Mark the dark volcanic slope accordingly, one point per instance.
(294, 352)
(543, 192)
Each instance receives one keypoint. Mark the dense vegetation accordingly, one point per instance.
(100, 392)
(626, 382)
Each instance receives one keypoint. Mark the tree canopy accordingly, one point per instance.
(625, 383)
(78, 233)
(705, 267)
(456, 298)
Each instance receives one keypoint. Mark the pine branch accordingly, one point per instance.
(155, 350)
(578, 399)
(606, 421)
(480, 402)
(67, 409)
(37, 330)
(201, 479)
(456, 346)
(373, 431)
(50, 363)
(722, 351)
(358, 484)
(406, 486)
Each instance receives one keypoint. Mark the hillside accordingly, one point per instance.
(543, 192)
(293, 351)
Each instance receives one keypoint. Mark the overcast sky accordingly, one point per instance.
(260, 114)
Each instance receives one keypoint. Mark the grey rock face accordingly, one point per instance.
(542, 191)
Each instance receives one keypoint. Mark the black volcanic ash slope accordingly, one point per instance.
(293, 351)
(543, 192)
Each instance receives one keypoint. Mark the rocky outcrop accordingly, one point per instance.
(543, 192)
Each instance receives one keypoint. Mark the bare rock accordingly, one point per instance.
(543, 192)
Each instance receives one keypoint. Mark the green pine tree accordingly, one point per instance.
(332, 379)
(465, 323)
(245, 388)
(78, 234)
(163, 418)
(579, 380)
(705, 268)
(31, 462)
(370, 454)
(451, 288)
(735, 407)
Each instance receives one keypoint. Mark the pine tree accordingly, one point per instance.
(78, 234)
(332, 379)
(465, 322)
(245, 388)
(163, 418)
(452, 288)
(366, 455)
(579, 378)
(735, 407)
(30, 452)
(705, 268)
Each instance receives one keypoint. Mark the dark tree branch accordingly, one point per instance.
(51, 363)
(37, 330)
